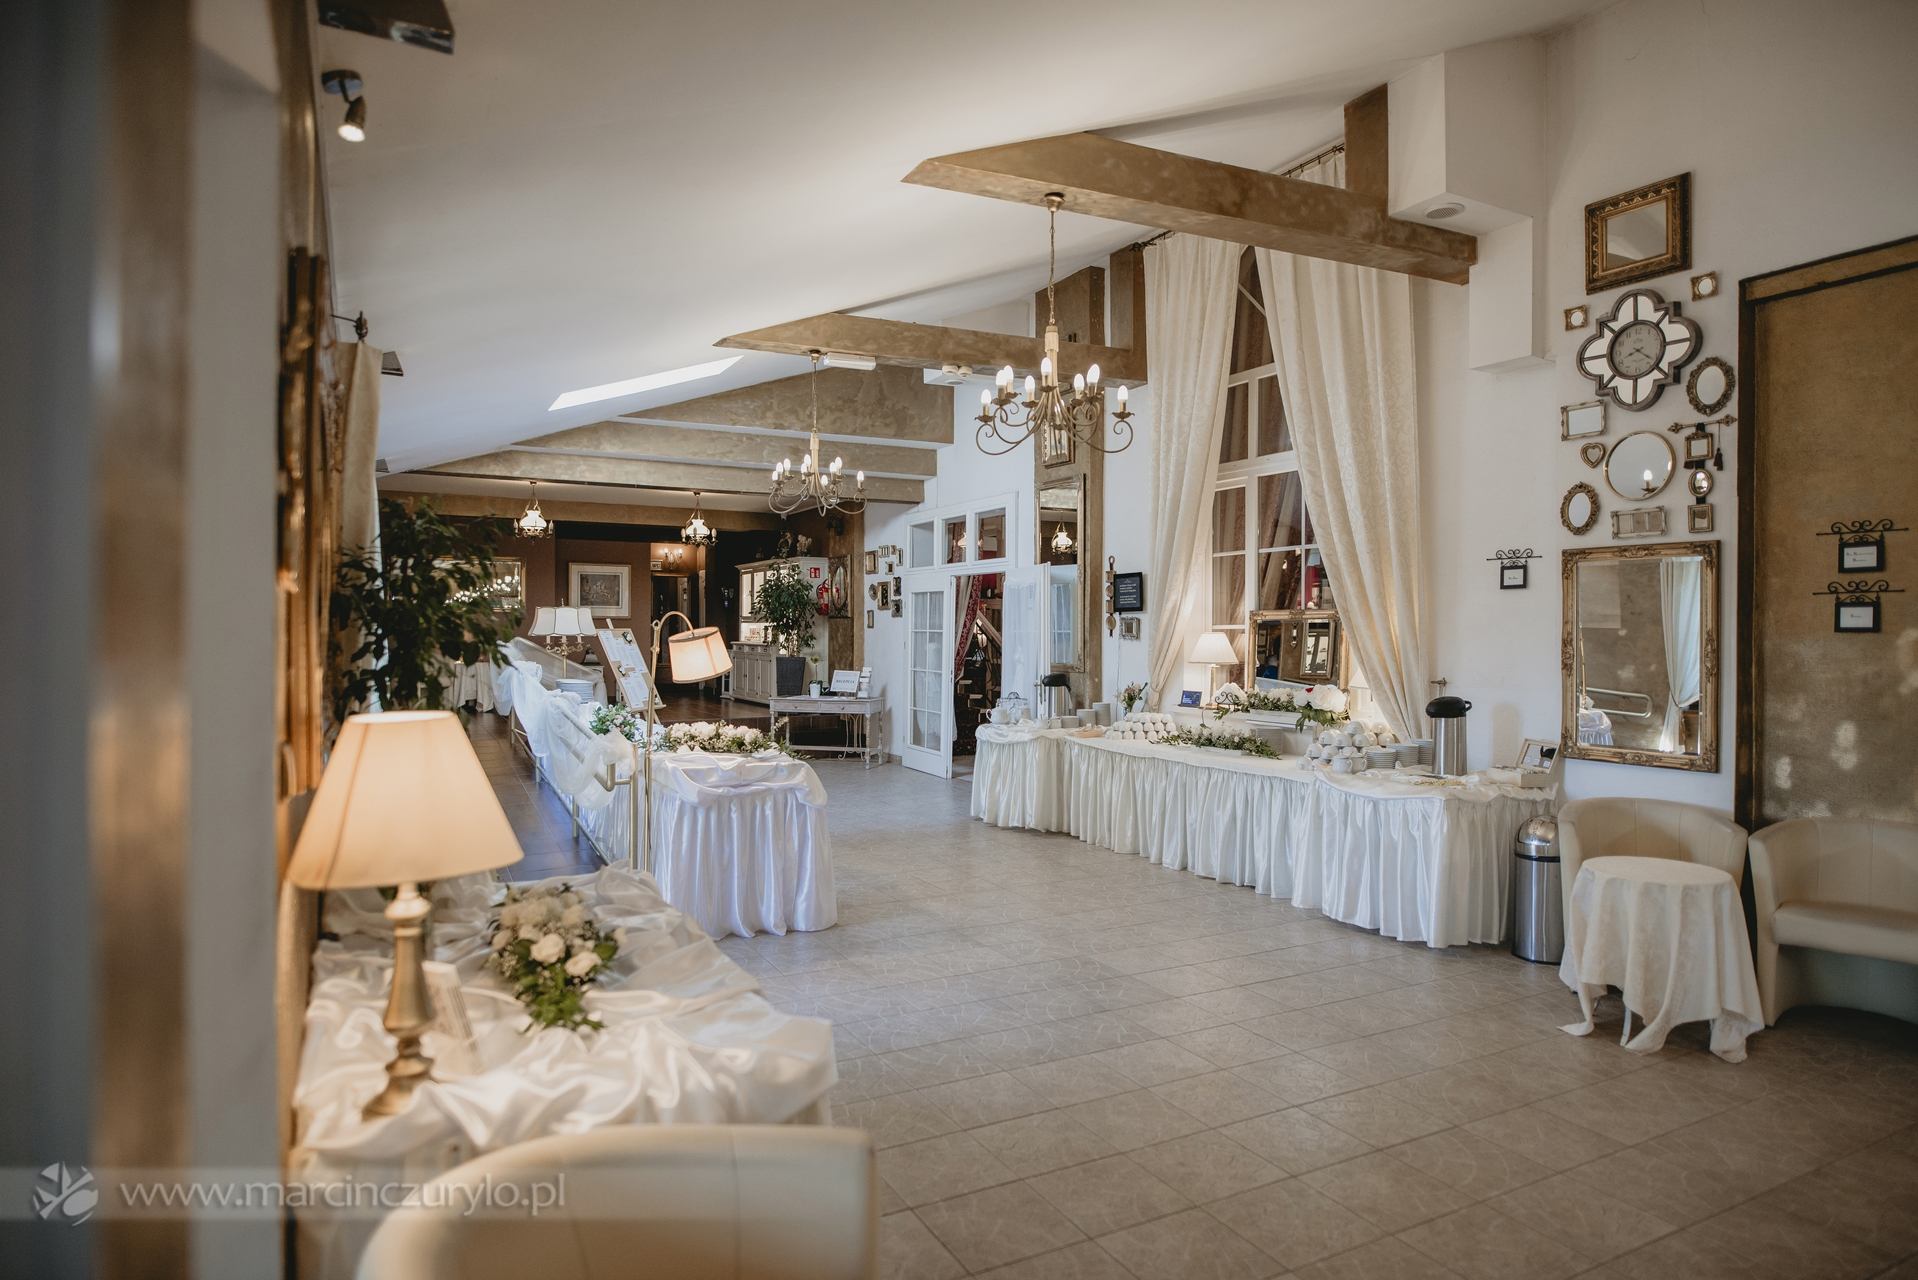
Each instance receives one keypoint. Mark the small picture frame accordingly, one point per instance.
(899, 606)
(1698, 445)
(1537, 753)
(1128, 593)
(882, 594)
(1513, 575)
(1861, 616)
(1698, 518)
(872, 562)
(1862, 555)
(869, 619)
(459, 1053)
(1129, 627)
(1189, 697)
(1577, 318)
(845, 680)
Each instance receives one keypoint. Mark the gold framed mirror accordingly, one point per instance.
(1639, 655)
(1639, 234)
(1298, 646)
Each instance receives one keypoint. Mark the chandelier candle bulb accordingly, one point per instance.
(1032, 389)
(1078, 384)
(1045, 369)
(860, 479)
(1122, 395)
(1092, 375)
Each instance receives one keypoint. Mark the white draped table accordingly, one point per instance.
(1421, 862)
(688, 1040)
(1671, 937)
(739, 842)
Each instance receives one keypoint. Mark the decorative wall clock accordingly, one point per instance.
(1638, 349)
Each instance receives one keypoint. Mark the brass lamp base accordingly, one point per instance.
(409, 1008)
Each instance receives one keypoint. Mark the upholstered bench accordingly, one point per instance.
(1837, 915)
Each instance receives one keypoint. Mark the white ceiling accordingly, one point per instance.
(592, 190)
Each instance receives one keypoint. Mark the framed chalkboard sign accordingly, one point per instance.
(1128, 593)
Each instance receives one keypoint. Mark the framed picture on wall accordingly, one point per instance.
(606, 589)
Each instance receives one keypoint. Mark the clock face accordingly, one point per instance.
(1638, 349)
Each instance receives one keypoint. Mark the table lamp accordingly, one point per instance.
(695, 655)
(403, 799)
(1214, 650)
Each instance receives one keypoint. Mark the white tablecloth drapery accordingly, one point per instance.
(688, 1040)
(1018, 777)
(1671, 937)
(740, 843)
(1421, 862)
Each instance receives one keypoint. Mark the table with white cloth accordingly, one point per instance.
(1018, 776)
(1421, 861)
(739, 842)
(688, 1039)
(1670, 935)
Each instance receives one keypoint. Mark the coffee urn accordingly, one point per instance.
(1448, 735)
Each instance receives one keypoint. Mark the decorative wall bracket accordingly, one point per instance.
(1861, 543)
(1112, 616)
(1700, 444)
(1513, 572)
(1856, 603)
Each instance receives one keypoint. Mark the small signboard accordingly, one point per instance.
(628, 664)
(1128, 593)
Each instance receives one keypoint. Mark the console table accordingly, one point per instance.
(863, 713)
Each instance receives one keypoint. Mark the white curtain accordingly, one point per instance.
(1191, 286)
(1679, 581)
(1342, 337)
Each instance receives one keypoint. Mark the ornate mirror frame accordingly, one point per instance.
(1676, 193)
(1706, 761)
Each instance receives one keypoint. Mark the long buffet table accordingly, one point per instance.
(1418, 861)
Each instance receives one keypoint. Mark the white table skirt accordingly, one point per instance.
(1417, 862)
(1018, 777)
(1671, 937)
(688, 1040)
(739, 843)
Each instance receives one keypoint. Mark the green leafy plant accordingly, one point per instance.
(787, 604)
(413, 611)
(1246, 743)
(1231, 699)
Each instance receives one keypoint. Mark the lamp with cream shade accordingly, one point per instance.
(1215, 650)
(562, 627)
(694, 655)
(404, 799)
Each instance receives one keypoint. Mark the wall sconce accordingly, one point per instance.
(348, 85)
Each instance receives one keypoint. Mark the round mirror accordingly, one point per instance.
(1710, 386)
(1578, 512)
(1640, 466)
(1700, 483)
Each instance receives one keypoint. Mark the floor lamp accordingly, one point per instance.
(403, 800)
(695, 655)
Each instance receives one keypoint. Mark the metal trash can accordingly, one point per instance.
(1538, 905)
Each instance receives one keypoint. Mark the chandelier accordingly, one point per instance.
(532, 522)
(697, 531)
(1057, 416)
(816, 485)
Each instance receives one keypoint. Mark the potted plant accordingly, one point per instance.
(786, 603)
(405, 612)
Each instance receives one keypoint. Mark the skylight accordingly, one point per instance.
(633, 386)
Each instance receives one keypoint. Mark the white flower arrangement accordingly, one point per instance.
(547, 946)
(716, 738)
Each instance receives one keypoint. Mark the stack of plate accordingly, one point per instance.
(1425, 749)
(1380, 758)
(1406, 753)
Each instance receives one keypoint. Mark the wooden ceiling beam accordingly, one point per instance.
(1107, 178)
(675, 443)
(928, 346)
(509, 508)
(628, 473)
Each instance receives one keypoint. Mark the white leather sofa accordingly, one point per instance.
(1617, 826)
(691, 1202)
(1837, 915)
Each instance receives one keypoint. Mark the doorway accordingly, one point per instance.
(979, 628)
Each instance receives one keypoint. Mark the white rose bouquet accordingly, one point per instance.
(546, 944)
(718, 738)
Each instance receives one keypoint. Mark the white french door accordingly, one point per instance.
(1023, 626)
(928, 744)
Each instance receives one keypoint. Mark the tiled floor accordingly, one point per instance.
(1077, 1064)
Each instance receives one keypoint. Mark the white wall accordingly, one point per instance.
(1796, 122)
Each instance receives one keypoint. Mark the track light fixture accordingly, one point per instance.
(348, 85)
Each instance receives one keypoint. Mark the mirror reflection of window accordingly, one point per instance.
(1635, 235)
(1640, 660)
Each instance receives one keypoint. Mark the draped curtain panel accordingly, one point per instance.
(1679, 584)
(1342, 338)
(1191, 285)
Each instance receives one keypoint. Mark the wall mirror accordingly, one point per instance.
(1710, 386)
(1578, 510)
(1640, 465)
(1297, 646)
(1639, 654)
(1577, 421)
(1638, 234)
(1060, 507)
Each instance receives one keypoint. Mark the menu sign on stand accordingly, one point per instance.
(629, 665)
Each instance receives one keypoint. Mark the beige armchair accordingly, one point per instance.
(1837, 915)
(695, 1202)
(1616, 826)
